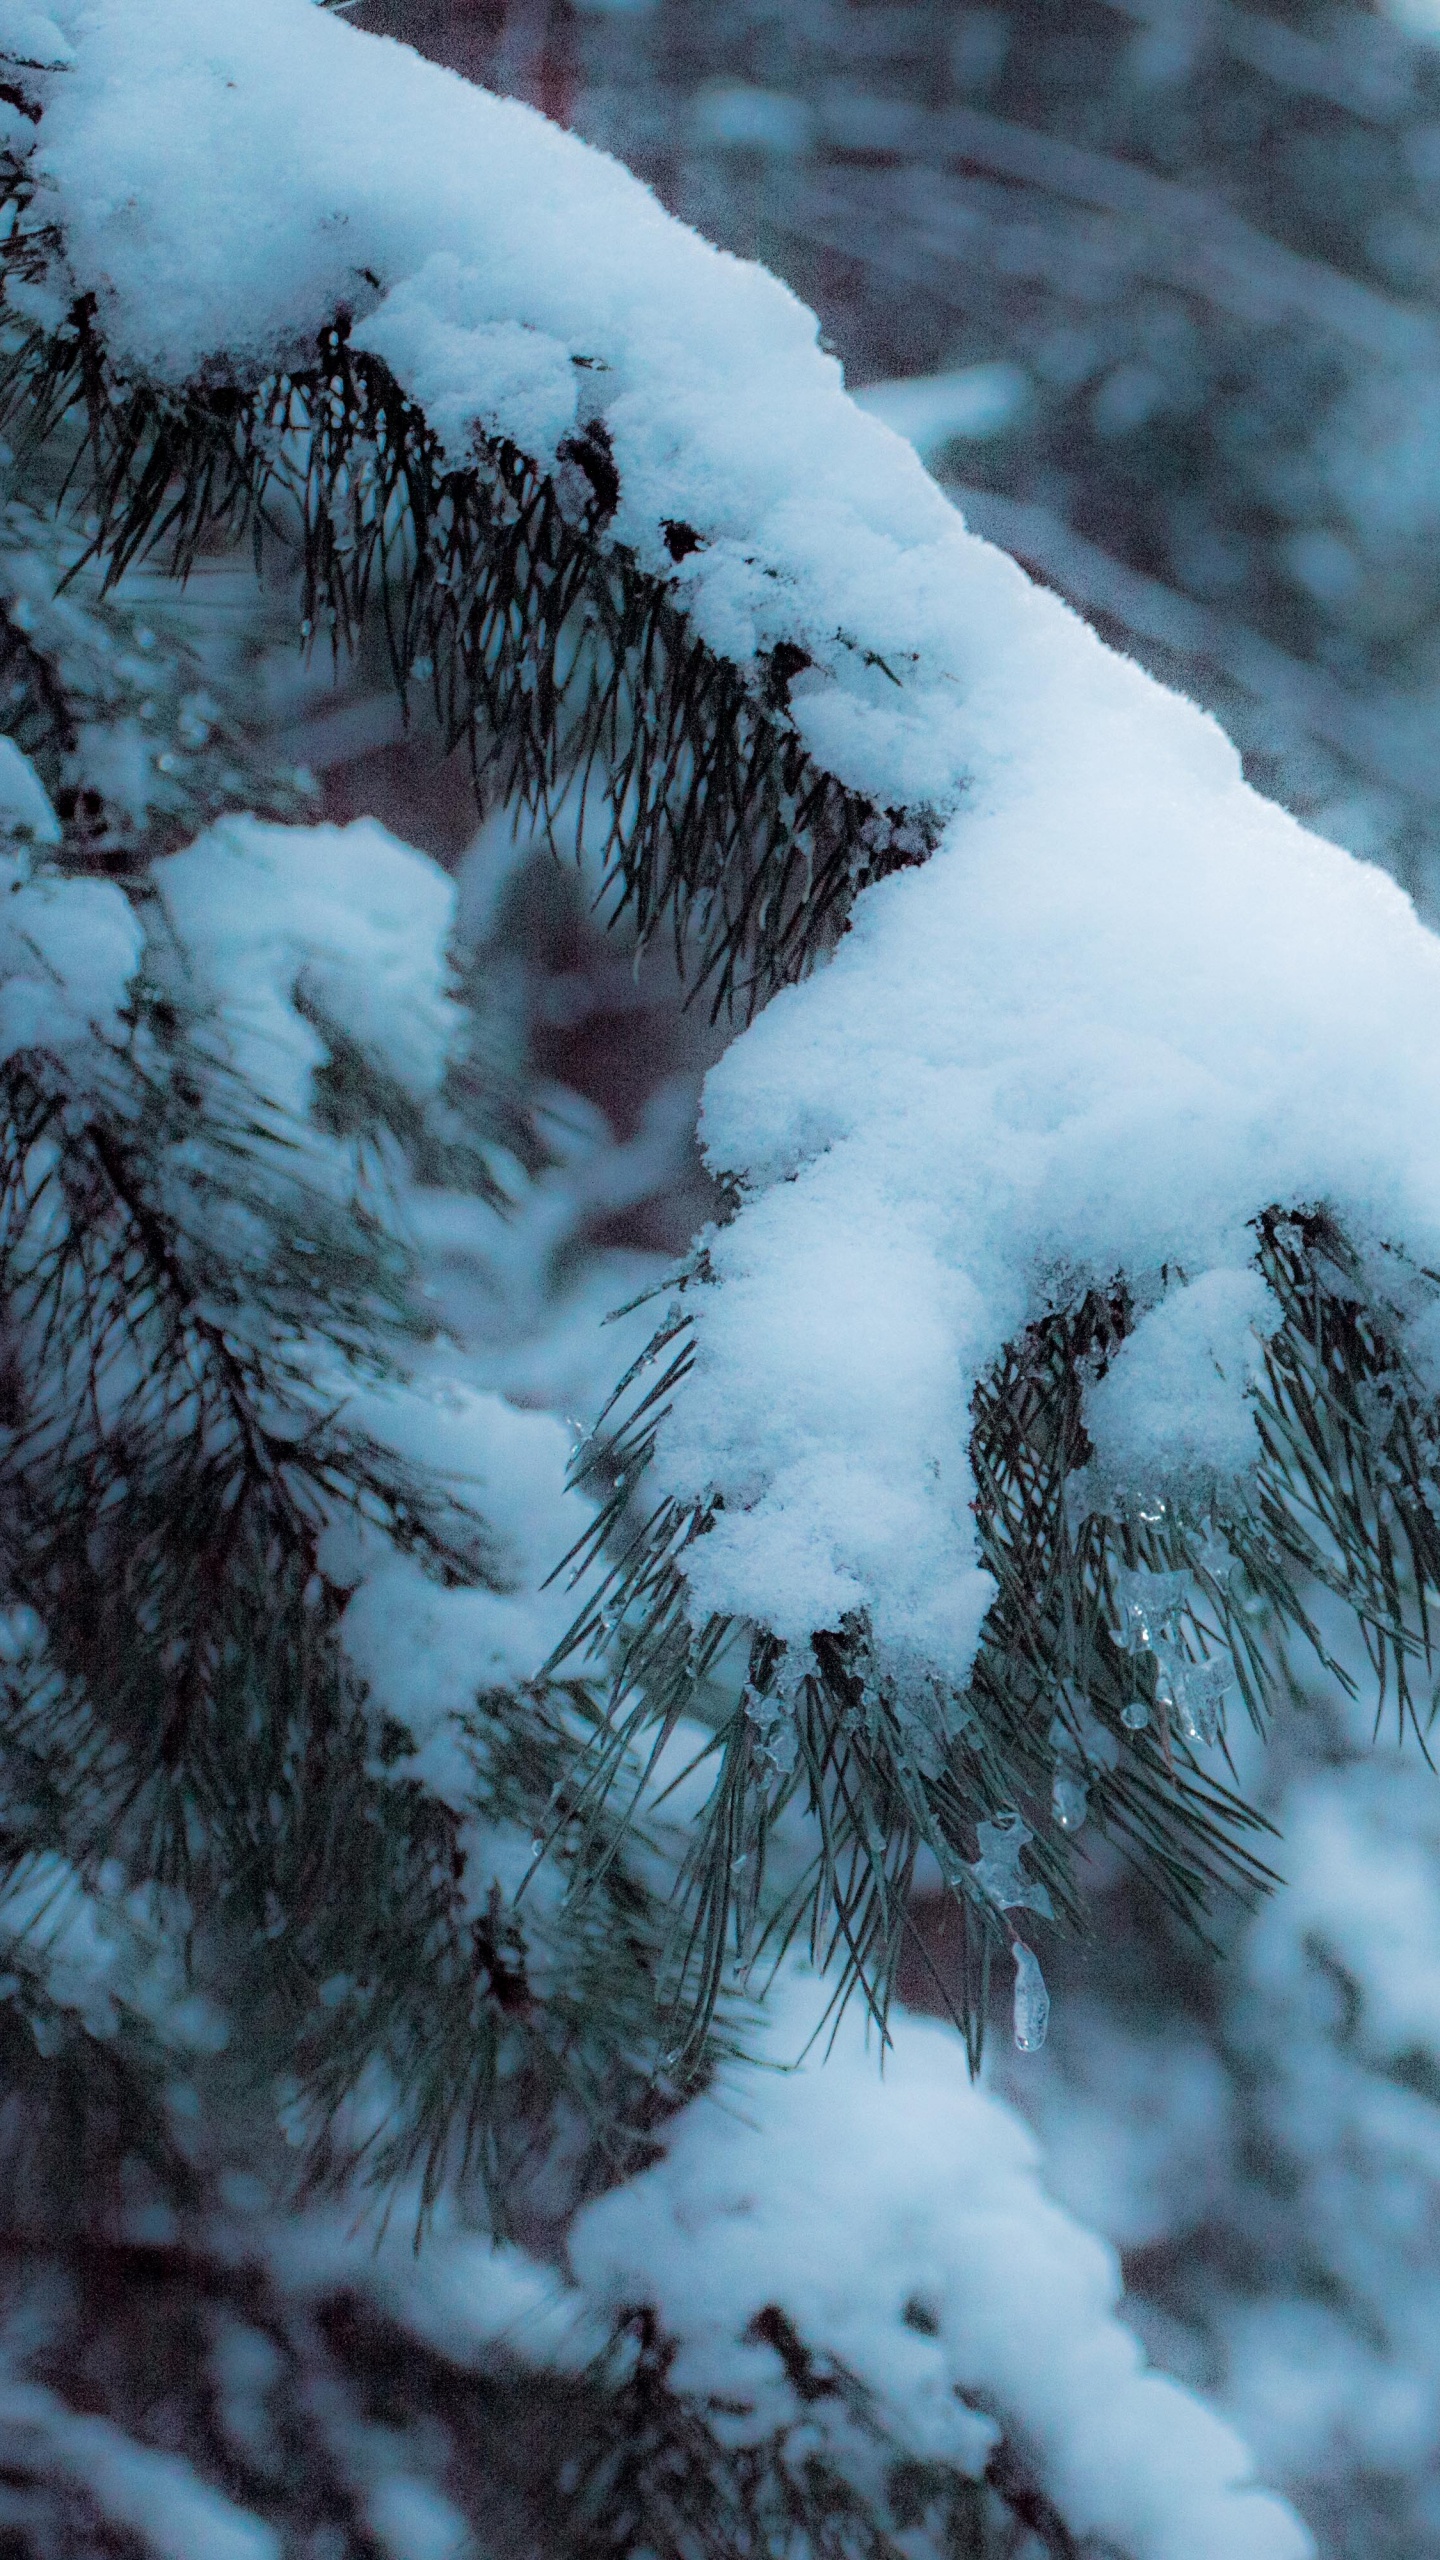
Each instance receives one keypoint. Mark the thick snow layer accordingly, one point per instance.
(29, 36)
(1173, 1407)
(959, 2282)
(228, 176)
(961, 2295)
(1126, 1007)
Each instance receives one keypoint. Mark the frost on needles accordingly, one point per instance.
(1073, 1320)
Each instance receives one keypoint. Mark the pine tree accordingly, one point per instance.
(324, 1828)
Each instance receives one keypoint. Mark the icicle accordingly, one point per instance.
(1081, 1744)
(1032, 2000)
(932, 1718)
(1213, 1557)
(1200, 1695)
(1147, 1603)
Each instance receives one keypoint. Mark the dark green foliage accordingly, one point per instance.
(659, 2479)
(184, 1707)
(172, 1471)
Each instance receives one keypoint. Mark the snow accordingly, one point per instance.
(346, 919)
(24, 804)
(1010, 2305)
(1127, 1005)
(29, 36)
(899, 2222)
(938, 409)
(156, 2497)
(1172, 1412)
(68, 948)
(425, 1653)
(458, 2292)
(1340, 2024)
(412, 2521)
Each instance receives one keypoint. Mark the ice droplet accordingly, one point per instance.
(1069, 1801)
(1147, 1603)
(1032, 2000)
(1200, 1695)
(998, 1871)
(1135, 1715)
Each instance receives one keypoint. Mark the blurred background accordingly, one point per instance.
(1154, 286)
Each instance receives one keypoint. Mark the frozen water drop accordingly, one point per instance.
(1069, 1801)
(1135, 1715)
(998, 1871)
(1032, 2000)
(1200, 1696)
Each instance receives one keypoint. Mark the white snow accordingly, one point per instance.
(425, 1653)
(933, 2185)
(68, 948)
(24, 803)
(27, 35)
(412, 2521)
(937, 409)
(900, 2224)
(1172, 1412)
(68, 952)
(1126, 1007)
(458, 2292)
(155, 2496)
(347, 919)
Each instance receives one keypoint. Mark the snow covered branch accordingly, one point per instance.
(1077, 1304)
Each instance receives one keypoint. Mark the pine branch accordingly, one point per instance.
(84, 669)
(182, 1700)
(567, 673)
(1346, 1501)
(598, 2466)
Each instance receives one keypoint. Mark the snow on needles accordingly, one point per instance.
(959, 2296)
(960, 2287)
(345, 921)
(1127, 1006)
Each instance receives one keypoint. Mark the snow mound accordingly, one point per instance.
(960, 2289)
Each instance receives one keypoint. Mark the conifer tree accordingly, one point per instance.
(966, 1484)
